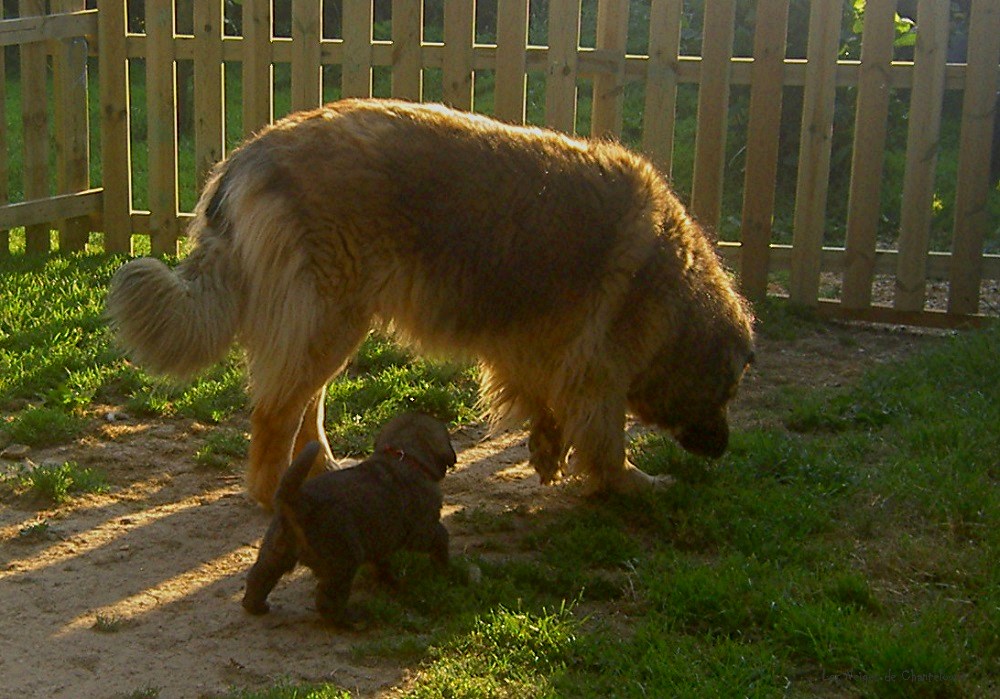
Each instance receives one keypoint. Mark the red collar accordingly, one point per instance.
(402, 456)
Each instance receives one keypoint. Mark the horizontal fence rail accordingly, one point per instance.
(843, 154)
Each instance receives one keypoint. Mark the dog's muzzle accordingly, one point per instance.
(709, 440)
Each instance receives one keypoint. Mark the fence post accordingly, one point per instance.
(978, 113)
(115, 150)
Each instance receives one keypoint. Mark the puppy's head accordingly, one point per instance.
(421, 438)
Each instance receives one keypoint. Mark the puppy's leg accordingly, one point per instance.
(278, 555)
(439, 547)
(547, 446)
(332, 592)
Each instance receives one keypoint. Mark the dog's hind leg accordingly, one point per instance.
(312, 429)
(547, 446)
(289, 398)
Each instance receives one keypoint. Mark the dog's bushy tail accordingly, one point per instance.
(295, 476)
(179, 321)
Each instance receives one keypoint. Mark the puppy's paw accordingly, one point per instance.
(256, 607)
(352, 619)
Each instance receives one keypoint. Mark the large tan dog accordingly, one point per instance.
(567, 266)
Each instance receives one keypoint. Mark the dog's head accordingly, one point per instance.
(421, 438)
(687, 391)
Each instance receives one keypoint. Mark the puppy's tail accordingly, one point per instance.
(294, 477)
(179, 321)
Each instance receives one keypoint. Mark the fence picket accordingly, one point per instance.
(564, 44)
(870, 127)
(978, 113)
(407, 34)
(256, 54)
(459, 30)
(658, 115)
(923, 134)
(713, 110)
(814, 153)
(357, 63)
(35, 118)
(763, 133)
(512, 43)
(609, 85)
(4, 158)
(115, 150)
(162, 127)
(306, 92)
(72, 127)
(209, 104)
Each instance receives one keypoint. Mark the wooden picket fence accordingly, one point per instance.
(59, 50)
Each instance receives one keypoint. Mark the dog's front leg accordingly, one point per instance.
(599, 444)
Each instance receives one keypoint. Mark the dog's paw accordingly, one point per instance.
(634, 481)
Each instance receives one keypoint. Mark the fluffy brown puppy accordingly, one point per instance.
(567, 266)
(337, 521)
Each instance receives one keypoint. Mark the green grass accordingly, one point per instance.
(57, 483)
(223, 448)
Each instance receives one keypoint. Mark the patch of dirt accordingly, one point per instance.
(138, 589)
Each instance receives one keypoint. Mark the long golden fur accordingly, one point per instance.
(567, 266)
